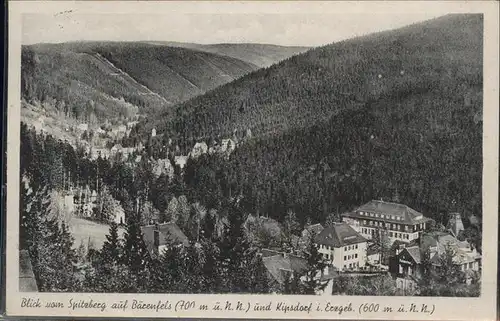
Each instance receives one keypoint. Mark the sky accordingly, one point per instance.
(299, 29)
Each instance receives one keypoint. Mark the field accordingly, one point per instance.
(85, 231)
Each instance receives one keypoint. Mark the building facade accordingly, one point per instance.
(396, 221)
(342, 247)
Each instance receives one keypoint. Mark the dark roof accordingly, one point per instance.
(170, 233)
(315, 228)
(280, 264)
(373, 248)
(392, 212)
(338, 235)
(27, 282)
(414, 251)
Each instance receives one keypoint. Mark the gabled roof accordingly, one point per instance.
(414, 252)
(170, 233)
(392, 212)
(314, 228)
(338, 235)
(280, 264)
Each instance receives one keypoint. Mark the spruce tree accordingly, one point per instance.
(135, 254)
(315, 266)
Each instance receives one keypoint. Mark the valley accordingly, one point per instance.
(210, 168)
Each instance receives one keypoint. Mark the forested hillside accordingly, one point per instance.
(444, 54)
(408, 111)
(262, 55)
(110, 78)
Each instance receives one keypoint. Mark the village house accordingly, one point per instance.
(83, 127)
(102, 152)
(397, 221)
(281, 266)
(119, 215)
(227, 146)
(163, 166)
(180, 161)
(406, 265)
(342, 247)
(199, 149)
(159, 236)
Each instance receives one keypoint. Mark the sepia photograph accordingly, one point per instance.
(255, 153)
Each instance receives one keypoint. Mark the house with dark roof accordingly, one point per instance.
(281, 266)
(397, 221)
(342, 246)
(406, 266)
(159, 236)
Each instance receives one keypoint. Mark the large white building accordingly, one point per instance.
(342, 246)
(397, 221)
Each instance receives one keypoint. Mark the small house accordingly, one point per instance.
(159, 236)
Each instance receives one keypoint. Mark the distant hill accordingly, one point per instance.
(110, 78)
(397, 112)
(261, 55)
(440, 54)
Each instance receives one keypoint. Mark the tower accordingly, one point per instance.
(455, 224)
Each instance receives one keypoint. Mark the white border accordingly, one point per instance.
(483, 308)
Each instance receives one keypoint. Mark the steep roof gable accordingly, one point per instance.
(338, 235)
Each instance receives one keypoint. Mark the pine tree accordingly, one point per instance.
(135, 254)
(111, 249)
(316, 264)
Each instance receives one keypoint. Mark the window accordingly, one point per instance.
(361, 213)
(345, 258)
(376, 215)
(356, 246)
(400, 269)
(471, 265)
(390, 234)
(364, 222)
(345, 248)
(382, 215)
(355, 256)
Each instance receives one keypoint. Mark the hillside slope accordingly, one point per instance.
(92, 77)
(262, 55)
(407, 110)
(441, 53)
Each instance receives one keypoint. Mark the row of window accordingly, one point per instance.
(392, 217)
(403, 236)
(350, 257)
(351, 265)
(467, 266)
(351, 247)
(393, 226)
(346, 248)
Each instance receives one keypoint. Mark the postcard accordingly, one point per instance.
(253, 159)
